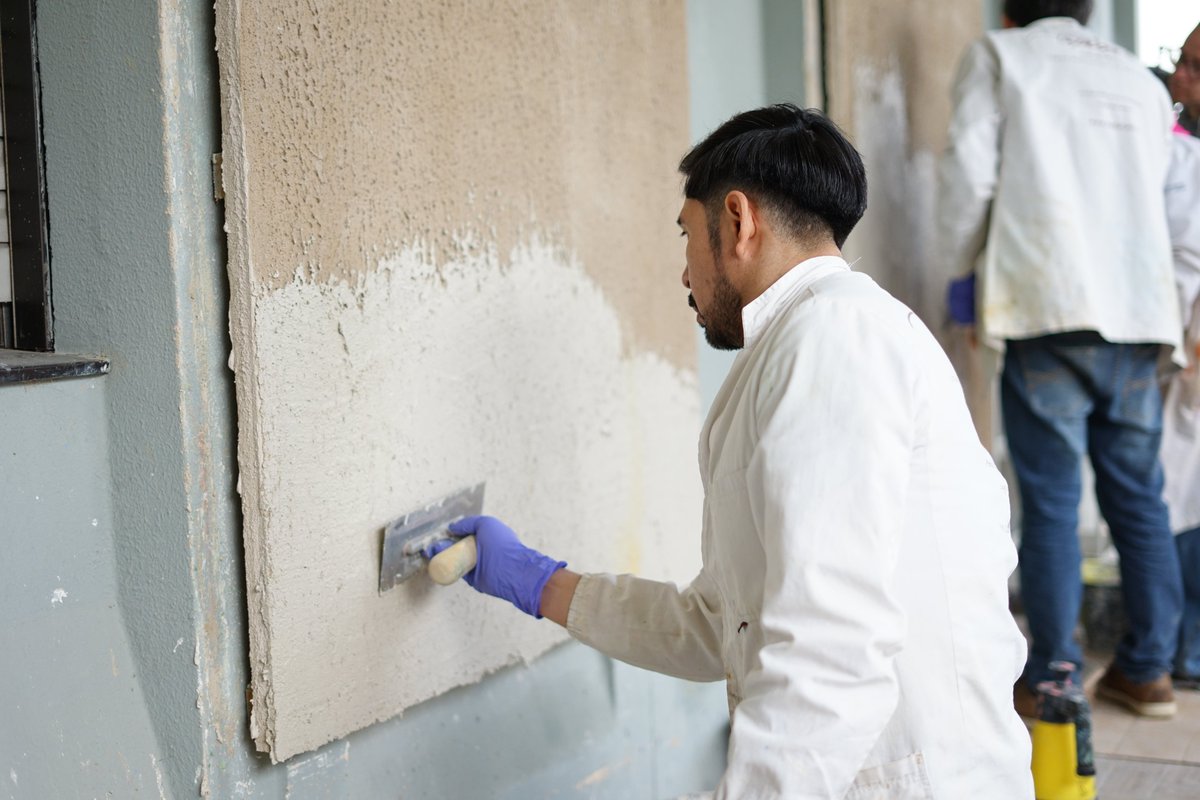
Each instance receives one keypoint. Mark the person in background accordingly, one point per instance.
(1184, 83)
(1181, 411)
(855, 544)
(1051, 198)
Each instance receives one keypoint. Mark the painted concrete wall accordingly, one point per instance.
(889, 71)
(125, 667)
(448, 234)
(73, 711)
(114, 697)
(147, 452)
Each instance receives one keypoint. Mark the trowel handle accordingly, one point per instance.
(455, 561)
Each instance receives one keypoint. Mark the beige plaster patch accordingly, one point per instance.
(922, 39)
(452, 259)
(377, 125)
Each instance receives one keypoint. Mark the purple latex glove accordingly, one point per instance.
(960, 298)
(505, 568)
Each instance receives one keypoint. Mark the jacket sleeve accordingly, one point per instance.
(651, 624)
(1183, 220)
(829, 481)
(969, 166)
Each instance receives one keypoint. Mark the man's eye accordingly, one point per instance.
(683, 233)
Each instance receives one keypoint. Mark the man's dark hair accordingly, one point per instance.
(793, 162)
(1023, 12)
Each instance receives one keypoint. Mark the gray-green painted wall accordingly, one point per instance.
(740, 56)
(123, 656)
(123, 659)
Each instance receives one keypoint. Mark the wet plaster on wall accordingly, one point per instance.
(889, 70)
(451, 261)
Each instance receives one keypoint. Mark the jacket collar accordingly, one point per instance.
(762, 310)
(1055, 22)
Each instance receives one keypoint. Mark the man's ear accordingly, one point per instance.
(745, 222)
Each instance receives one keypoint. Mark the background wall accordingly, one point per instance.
(120, 491)
(742, 56)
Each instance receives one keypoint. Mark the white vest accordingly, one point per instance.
(1052, 187)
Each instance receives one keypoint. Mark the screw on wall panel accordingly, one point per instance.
(218, 178)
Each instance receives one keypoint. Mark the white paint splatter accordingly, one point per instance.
(95, 523)
(58, 596)
(898, 232)
(158, 776)
(178, 644)
(12, 775)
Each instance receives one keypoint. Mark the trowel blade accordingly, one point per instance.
(406, 537)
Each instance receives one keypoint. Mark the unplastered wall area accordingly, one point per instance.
(889, 69)
(452, 260)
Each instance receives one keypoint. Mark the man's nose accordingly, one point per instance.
(686, 283)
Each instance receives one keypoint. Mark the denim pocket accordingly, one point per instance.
(1051, 388)
(1138, 399)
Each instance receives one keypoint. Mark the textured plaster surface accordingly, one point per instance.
(889, 68)
(451, 260)
(387, 123)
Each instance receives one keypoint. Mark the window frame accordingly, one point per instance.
(28, 224)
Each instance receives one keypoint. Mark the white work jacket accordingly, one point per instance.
(1051, 187)
(856, 551)
(1181, 410)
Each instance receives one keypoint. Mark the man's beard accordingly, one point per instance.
(723, 320)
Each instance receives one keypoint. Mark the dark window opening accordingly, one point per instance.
(26, 315)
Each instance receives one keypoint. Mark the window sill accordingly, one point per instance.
(22, 366)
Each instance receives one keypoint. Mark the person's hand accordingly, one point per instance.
(960, 299)
(505, 568)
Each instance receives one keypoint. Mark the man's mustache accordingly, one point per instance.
(692, 302)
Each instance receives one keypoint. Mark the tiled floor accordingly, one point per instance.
(1137, 758)
(1143, 759)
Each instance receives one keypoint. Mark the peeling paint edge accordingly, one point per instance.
(242, 303)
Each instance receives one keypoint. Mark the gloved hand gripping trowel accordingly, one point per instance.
(407, 539)
(502, 566)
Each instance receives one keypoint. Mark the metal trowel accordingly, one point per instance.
(405, 539)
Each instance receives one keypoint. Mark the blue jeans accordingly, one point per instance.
(1187, 658)
(1062, 396)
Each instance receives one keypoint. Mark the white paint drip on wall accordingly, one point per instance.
(158, 777)
(12, 776)
(423, 378)
(58, 596)
(178, 644)
(897, 237)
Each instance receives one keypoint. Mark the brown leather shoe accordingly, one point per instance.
(1027, 703)
(1153, 699)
